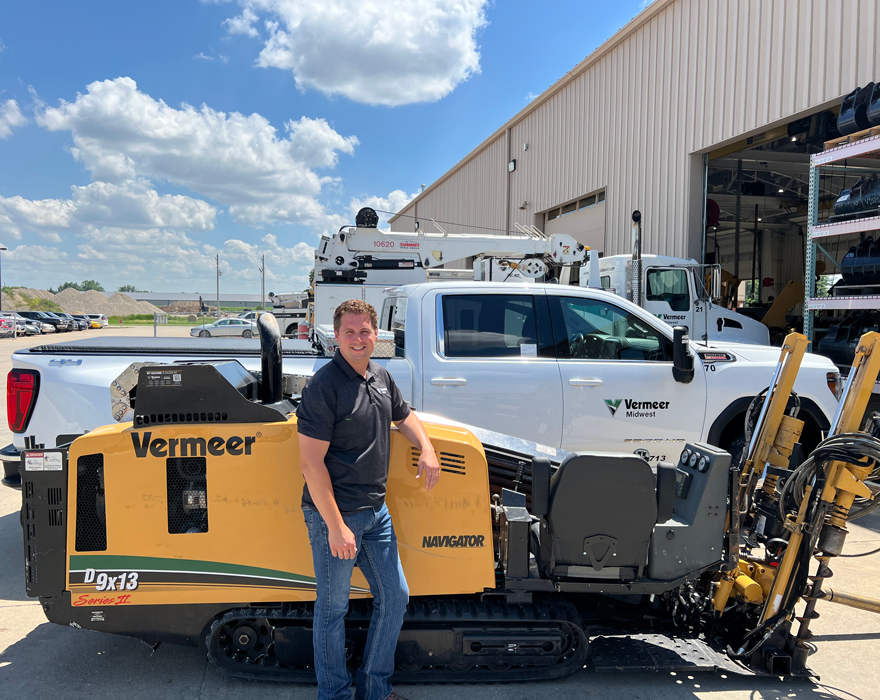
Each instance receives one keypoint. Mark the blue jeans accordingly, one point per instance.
(378, 560)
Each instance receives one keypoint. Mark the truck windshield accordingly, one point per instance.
(670, 286)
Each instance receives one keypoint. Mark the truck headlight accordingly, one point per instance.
(835, 383)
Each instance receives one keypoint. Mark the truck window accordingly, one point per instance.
(601, 331)
(491, 325)
(670, 286)
(605, 281)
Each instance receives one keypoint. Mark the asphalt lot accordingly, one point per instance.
(40, 660)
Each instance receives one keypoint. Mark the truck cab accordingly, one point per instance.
(673, 290)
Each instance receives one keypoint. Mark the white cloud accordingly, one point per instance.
(10, 117)
(393, 203)
(120, 133)
(132, 203)
(243, 24)
(202, 57)
(392, 53)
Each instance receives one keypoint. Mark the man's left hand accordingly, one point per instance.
(430, 467)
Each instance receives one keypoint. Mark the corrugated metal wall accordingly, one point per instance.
(683, 77)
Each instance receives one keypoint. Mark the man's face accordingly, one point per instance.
(356, 338)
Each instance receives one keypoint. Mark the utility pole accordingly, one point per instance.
(263, 283)
(218, 285)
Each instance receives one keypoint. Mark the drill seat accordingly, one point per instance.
(599, 514)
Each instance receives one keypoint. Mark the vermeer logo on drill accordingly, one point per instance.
(453, 541)
(190, 447)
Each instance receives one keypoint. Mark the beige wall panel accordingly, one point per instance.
(586, 226)
(682, 78)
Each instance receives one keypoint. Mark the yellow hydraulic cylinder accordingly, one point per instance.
(722, 592)
(748, 589)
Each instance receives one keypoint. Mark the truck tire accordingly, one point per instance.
(291, 329)
(204, 334)
(736, 448)
(247, 334)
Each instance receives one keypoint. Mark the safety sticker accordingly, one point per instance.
(42, 461)
(545, 450)
(528, 350)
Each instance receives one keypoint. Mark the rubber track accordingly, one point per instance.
(449, 610)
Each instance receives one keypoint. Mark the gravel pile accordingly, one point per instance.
(91, 302)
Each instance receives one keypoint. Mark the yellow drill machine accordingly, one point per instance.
(185, 526)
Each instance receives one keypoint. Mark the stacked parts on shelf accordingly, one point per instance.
(861, 265)
(862, 199)
(860, 110)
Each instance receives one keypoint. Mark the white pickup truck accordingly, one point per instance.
(566, 367)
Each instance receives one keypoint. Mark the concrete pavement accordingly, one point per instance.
(39, 660)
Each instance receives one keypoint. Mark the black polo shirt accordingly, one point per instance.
(354, 415)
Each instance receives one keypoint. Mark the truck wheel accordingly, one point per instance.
(247, 334)
(736, 447)
(204, 334)
(291, 329)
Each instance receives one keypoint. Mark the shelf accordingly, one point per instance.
(841, 228)
(844, 303)
(863, 147)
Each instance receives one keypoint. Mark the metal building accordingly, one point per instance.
(692, 100)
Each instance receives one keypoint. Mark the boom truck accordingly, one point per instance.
(679, 291)
(145, 528)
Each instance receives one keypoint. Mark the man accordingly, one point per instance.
(344, 424)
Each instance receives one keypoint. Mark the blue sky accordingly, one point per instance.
(138, 140)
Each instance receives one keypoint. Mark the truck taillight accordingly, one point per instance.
(22, 386)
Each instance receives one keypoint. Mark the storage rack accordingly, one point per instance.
(831, 158)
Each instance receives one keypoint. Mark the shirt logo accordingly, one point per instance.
(382, 390)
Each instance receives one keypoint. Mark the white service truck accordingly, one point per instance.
(568, 367)
(675, 291)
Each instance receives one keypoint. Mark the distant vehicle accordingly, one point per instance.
(226, 327)
(100, 318)
(20, 321)
(7, 327)
(78, 324)
(59, 324)
(88, 320)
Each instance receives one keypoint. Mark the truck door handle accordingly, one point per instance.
(451, 381)
(585, 381)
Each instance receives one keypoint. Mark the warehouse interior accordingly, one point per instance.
(757, 197)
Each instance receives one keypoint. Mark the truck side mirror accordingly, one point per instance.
(682, 361)
(715, 284)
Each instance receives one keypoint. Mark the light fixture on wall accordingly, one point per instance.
(525, 147)
(511, 166)
(524, 204)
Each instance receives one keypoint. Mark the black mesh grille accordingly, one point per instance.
(450, 462)
(187, 480)
(91, 520)
(158, 418)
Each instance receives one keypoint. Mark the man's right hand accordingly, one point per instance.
(342, 543)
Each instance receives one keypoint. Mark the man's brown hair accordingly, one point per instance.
(358, 307)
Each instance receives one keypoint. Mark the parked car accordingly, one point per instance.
(78, 325)
(59, 324)
(224, 327)
(7, 327)
(90, 322)
(25, 325)
(100, 318)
